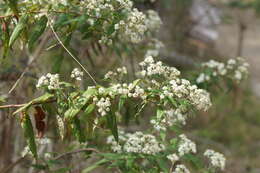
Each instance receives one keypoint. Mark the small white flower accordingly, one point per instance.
(103, 105)
(217, 159)
(136, 143)
(186, 146)
(51, 81)
(173, 157)
(76, 74)
(181, 169)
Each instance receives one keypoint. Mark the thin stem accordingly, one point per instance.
(76, 151)
(75, 59)
(31, 60)
(21, 105)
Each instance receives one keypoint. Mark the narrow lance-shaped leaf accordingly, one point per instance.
(13, 6)
(94, 166)
(90, 108)
(29, 133)
(159, 113)
(37, 31)
(112, 124)
(173, 101)
(77, 131)
(121, 102)
(18, 29)
(40, 99)
(6, 38)
(74, 110)
(139, 110)
(162, 164)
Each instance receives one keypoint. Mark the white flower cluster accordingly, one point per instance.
(181, 169)
(96, 7)
(153, 20)
(186, 146)
(200, 98)
(61, 126)
(150, 67)
(51, 81)
(168, 119)
(240, 68)
(129, 90)
(119, 72)
(128, 23)
(125, 4)
(76, 74)
(180, 88)
(173, 158)
(103, 105)
(115, 146)
(234, 68)
(217, 159)
(134, 27)
(136, 143)
(202, 78)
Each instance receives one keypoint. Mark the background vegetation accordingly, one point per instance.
(231, 125)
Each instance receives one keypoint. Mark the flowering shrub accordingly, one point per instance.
(85, 112)
(159, 87)
(213, 72)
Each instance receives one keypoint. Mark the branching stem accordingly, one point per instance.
(67, 50)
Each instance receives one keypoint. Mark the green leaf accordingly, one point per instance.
(94, 166)
(112, 124)
(111, 30)
(18, 29)
(61, 20)
(163, 135)
(89, 93)
(143, 104)
(194, 160)
(37, 31)
(159, 113)
(40, 167)
(39, 100)
(136, 82)
(121, 102)
(13, 6)
(67, 85)
(28, 133)
(2, 99)
(26, 106)
(174, 143)
(114, 156)
(74, 110)
(77, 131)
(43, 98)
(162, 164)
(90, 108)
(6, 38)
(173, 102)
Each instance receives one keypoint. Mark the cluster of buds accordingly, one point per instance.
(76, 74)
(51, 81)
